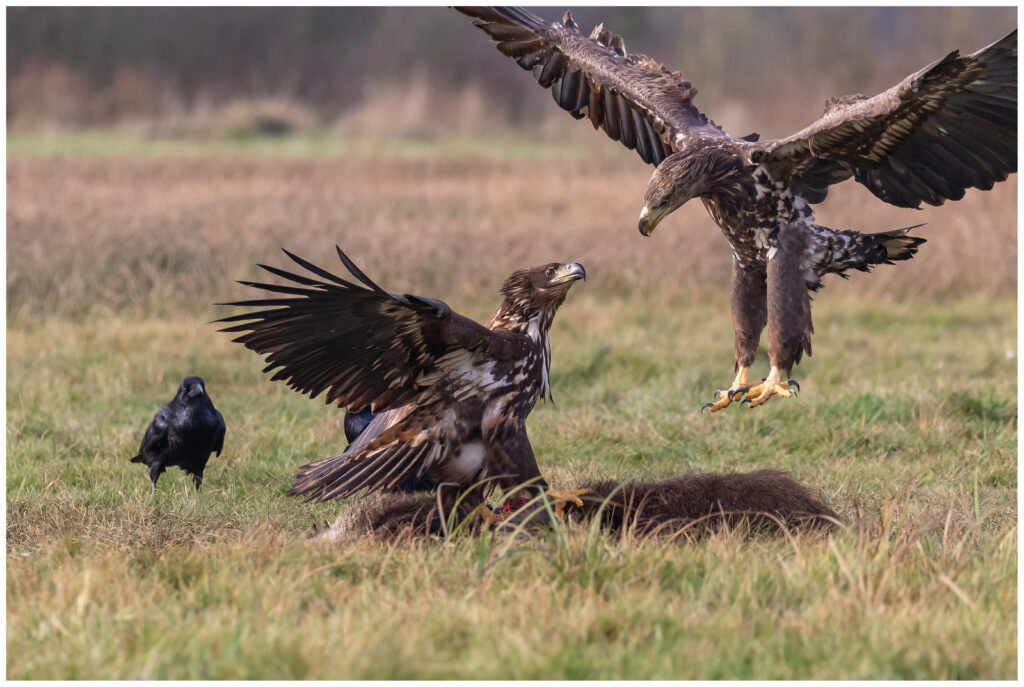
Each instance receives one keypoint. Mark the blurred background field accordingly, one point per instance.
(156, 155)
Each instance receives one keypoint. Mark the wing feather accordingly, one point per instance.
(631, 97)
(946, 128)
(360, 344)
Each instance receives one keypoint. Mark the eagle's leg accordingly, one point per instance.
(560, 498)
(749, 314)
(789, 315)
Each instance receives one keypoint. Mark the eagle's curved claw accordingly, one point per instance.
(771, 386)
(489, 516)
(739, 387)
(560, 498)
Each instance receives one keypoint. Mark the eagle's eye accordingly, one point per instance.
(549, 272)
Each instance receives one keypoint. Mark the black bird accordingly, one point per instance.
(184, 433)
(355, 423)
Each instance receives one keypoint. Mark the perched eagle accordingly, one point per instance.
(947, 128)
(450, 396)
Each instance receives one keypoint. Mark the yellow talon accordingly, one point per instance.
(772, 386)
(733, 393)
(753, 394)
(560, 498)
(489, 517)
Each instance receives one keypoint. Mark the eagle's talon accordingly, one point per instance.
(560, 498)
(724, 398)
(738, 392)
(759, 394)
(489, 515)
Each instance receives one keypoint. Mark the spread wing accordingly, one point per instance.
(633, 98)
(947, 128)
(359, 344)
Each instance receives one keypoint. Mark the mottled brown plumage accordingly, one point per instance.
(451, 395)
(690, 505)
(946, 128)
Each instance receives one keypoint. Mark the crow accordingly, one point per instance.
(355, 423)
(184, 433)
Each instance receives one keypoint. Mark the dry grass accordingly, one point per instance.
(105, 234)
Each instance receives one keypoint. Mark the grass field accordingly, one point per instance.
(906, 425)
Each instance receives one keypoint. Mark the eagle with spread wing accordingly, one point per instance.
(449, 396)
(944, 129)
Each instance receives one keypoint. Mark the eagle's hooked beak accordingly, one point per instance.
(570, 272)
(650, 218)
(195, 390)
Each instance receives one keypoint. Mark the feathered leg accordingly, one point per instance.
(749, 315)
(789, 316)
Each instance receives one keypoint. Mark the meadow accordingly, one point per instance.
(906, 425)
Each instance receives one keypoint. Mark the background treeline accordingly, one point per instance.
(423, 70)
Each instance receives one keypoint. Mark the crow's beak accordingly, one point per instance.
(195, 390)
(649, 219)
(569, 273)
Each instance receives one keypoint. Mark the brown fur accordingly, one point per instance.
(691, 505)
(699, 503)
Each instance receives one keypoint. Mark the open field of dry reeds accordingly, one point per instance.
(906, 425)
(168, 233)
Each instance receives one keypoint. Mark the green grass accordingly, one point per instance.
(906, 424)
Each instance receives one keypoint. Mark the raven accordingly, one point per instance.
(184, 433)
(355, 423)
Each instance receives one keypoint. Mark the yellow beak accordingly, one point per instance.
(649, 219)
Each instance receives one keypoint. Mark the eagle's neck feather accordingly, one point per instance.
(523, 318)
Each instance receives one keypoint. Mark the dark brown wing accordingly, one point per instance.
(947, 128)
(634, 99)
(360, 344)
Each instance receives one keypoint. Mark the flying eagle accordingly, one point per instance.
(450, 396)
(946, 128)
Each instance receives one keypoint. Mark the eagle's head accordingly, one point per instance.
(680, 177)
(537, 292)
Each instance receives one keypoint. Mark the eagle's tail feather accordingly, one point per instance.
(898, 244)
(864, 251)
